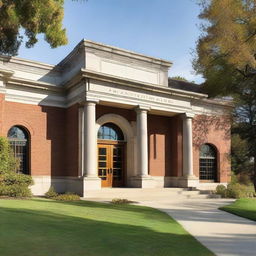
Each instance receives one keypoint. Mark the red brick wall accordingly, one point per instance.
(50, 135)
(2, 109)
(214, 130)
(176, 145)
(128, 114)
(54, 138)
(72, 141)
(159, 140)
(165, 145)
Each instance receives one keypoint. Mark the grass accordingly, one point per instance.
(245, 207)
(40, 227)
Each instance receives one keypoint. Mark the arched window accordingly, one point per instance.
(110, 131)
(19, 140)
(208, 163)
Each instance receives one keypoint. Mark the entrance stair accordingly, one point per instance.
(147, 194)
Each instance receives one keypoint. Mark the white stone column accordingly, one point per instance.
(90, 140)
(142, 142)
(187, 146)
(81, 141)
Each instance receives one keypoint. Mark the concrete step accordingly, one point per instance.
(134, 194)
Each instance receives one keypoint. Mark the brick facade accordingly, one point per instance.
(214, 130)
(54, 138)
(62, 107)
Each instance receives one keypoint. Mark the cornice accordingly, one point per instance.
(140, 85)
(124, 52)
(30, 63)
(228, 104)
(34, 84)
(6, 73)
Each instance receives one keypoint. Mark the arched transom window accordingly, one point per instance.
(19, 141)
(110, 131)
(208, 163)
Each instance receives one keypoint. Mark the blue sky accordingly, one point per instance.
(166, 29)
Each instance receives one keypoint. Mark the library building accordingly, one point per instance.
(107, 117)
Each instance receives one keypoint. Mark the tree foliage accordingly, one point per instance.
(240, 157)
(226, 57)
(226, 48)
(35, 17)
(179, 78)
(7, 160)
(12, 183)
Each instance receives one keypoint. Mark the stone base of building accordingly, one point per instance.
(78, 185)
(189, 182)
(142, 182)
(81, 185)
(91, 183)
(60, 184)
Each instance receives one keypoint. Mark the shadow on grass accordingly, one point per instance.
(146, 211)
(34, 232)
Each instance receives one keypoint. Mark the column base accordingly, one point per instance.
(189, 181)
(91, 183)
(142, 182)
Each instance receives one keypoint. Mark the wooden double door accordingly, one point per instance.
(111, 164)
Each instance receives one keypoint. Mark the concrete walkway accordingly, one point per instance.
(223, 233)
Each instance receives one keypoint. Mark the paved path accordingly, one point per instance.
(223, 233)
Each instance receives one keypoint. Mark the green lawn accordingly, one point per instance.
(41, 227)
(244, 207)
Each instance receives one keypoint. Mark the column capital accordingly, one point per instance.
(188, 115)
(141, 108)
(88, 101)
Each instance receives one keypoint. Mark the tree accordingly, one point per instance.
(12, 183)
(226, 57)
(180, 78)
(37, 16)
(241, 161)
(7, 160)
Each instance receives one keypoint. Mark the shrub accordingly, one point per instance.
(221, 190)
(12, 178)
(51, 193)
(67, 197)
(235, 190)
(11, 183)
(120, 201)
(244, 178)
(15, 190)
(15, 184)
(7, 159)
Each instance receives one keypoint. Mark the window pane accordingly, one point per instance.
(18, 139)
(208, 162)
(17, 133)
(110, 131)
(102, 151)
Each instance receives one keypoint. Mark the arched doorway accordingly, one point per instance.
(19, 141)
(111, 155)
(208, 163)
